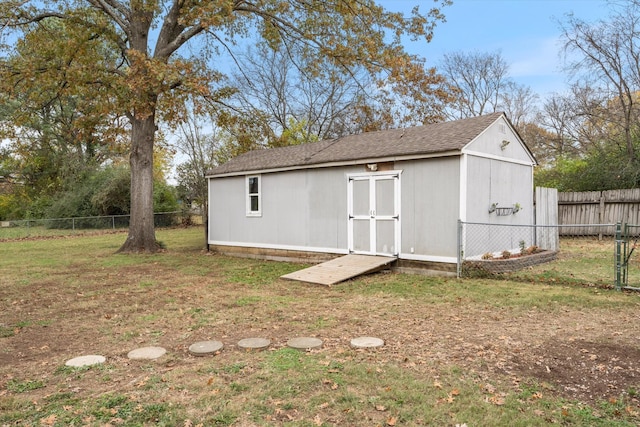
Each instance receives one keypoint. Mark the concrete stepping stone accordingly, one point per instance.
(88, 360)
(204, 348)
(146, 353)
(254, 343)
(366, 342)
(305, 343)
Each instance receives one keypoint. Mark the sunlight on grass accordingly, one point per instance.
(581, 262)
(185, 295)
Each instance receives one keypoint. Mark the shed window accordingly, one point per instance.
(253, 196)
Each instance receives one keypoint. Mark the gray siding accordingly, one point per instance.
(430, 206)
(226, 207)
(300, 209)
(307, 209)
(492, 142)
(327, 190)
(493, 181)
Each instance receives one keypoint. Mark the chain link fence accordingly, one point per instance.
(582, 253)
(65, 226)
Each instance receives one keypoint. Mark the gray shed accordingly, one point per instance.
(394, 193)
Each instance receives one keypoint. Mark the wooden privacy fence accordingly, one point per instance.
(546, 210)
(597, 207)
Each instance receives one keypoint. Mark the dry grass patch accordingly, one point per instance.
(479, 352)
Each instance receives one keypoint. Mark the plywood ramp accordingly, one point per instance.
(340, 269)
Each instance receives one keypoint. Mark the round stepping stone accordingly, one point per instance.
(89, 360)
(254, 343)
(366, 342)
(204, 348)
(146, 353)
(305, 343)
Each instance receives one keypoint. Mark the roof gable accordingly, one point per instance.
(421, 141)
(501, 140)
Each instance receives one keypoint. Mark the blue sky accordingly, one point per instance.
(525, 32)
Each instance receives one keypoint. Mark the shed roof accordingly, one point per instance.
(429, 140)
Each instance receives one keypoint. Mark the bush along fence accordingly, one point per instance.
(492, 249)
(64, 226)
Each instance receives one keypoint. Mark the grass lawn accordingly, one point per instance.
(546, 346)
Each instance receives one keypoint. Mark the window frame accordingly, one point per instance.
(249, 196)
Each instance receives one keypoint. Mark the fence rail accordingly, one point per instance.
(598, 207)
(64, 226)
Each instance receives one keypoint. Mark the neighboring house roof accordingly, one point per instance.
(445, 138)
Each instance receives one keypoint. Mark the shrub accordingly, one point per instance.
(11, 207)
(107, 192)
(487, 255)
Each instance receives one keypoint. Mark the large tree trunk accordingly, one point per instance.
(142, 236)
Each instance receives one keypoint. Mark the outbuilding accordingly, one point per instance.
(397, 193)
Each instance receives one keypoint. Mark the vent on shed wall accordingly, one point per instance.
(502, 128)
(379, 167)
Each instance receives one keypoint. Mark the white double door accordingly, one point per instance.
(374, 213)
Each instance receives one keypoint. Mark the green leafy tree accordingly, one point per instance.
(55, 130)
(107, 191)
(600, 170)
(154, 72)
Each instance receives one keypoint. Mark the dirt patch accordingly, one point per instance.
(583, 355)
(585, 370)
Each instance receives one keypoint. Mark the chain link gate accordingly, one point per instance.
(626, 241)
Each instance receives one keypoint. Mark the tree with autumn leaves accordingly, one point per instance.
(146, 57)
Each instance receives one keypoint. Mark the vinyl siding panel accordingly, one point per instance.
(494, 181)
(430, 206)
(305, 208)
(226, 207)
(493, 140)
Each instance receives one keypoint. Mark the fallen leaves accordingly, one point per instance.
(332, 384)
(451, 396)
(49, 421)
(488, 388)
(142, 382)
(496, 399)
(493, 397)
(491, 348)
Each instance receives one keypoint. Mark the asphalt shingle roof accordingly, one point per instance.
(415, 141)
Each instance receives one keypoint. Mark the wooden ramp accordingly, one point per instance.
(340, 269)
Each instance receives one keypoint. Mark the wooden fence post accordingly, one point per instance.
(601, 213)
